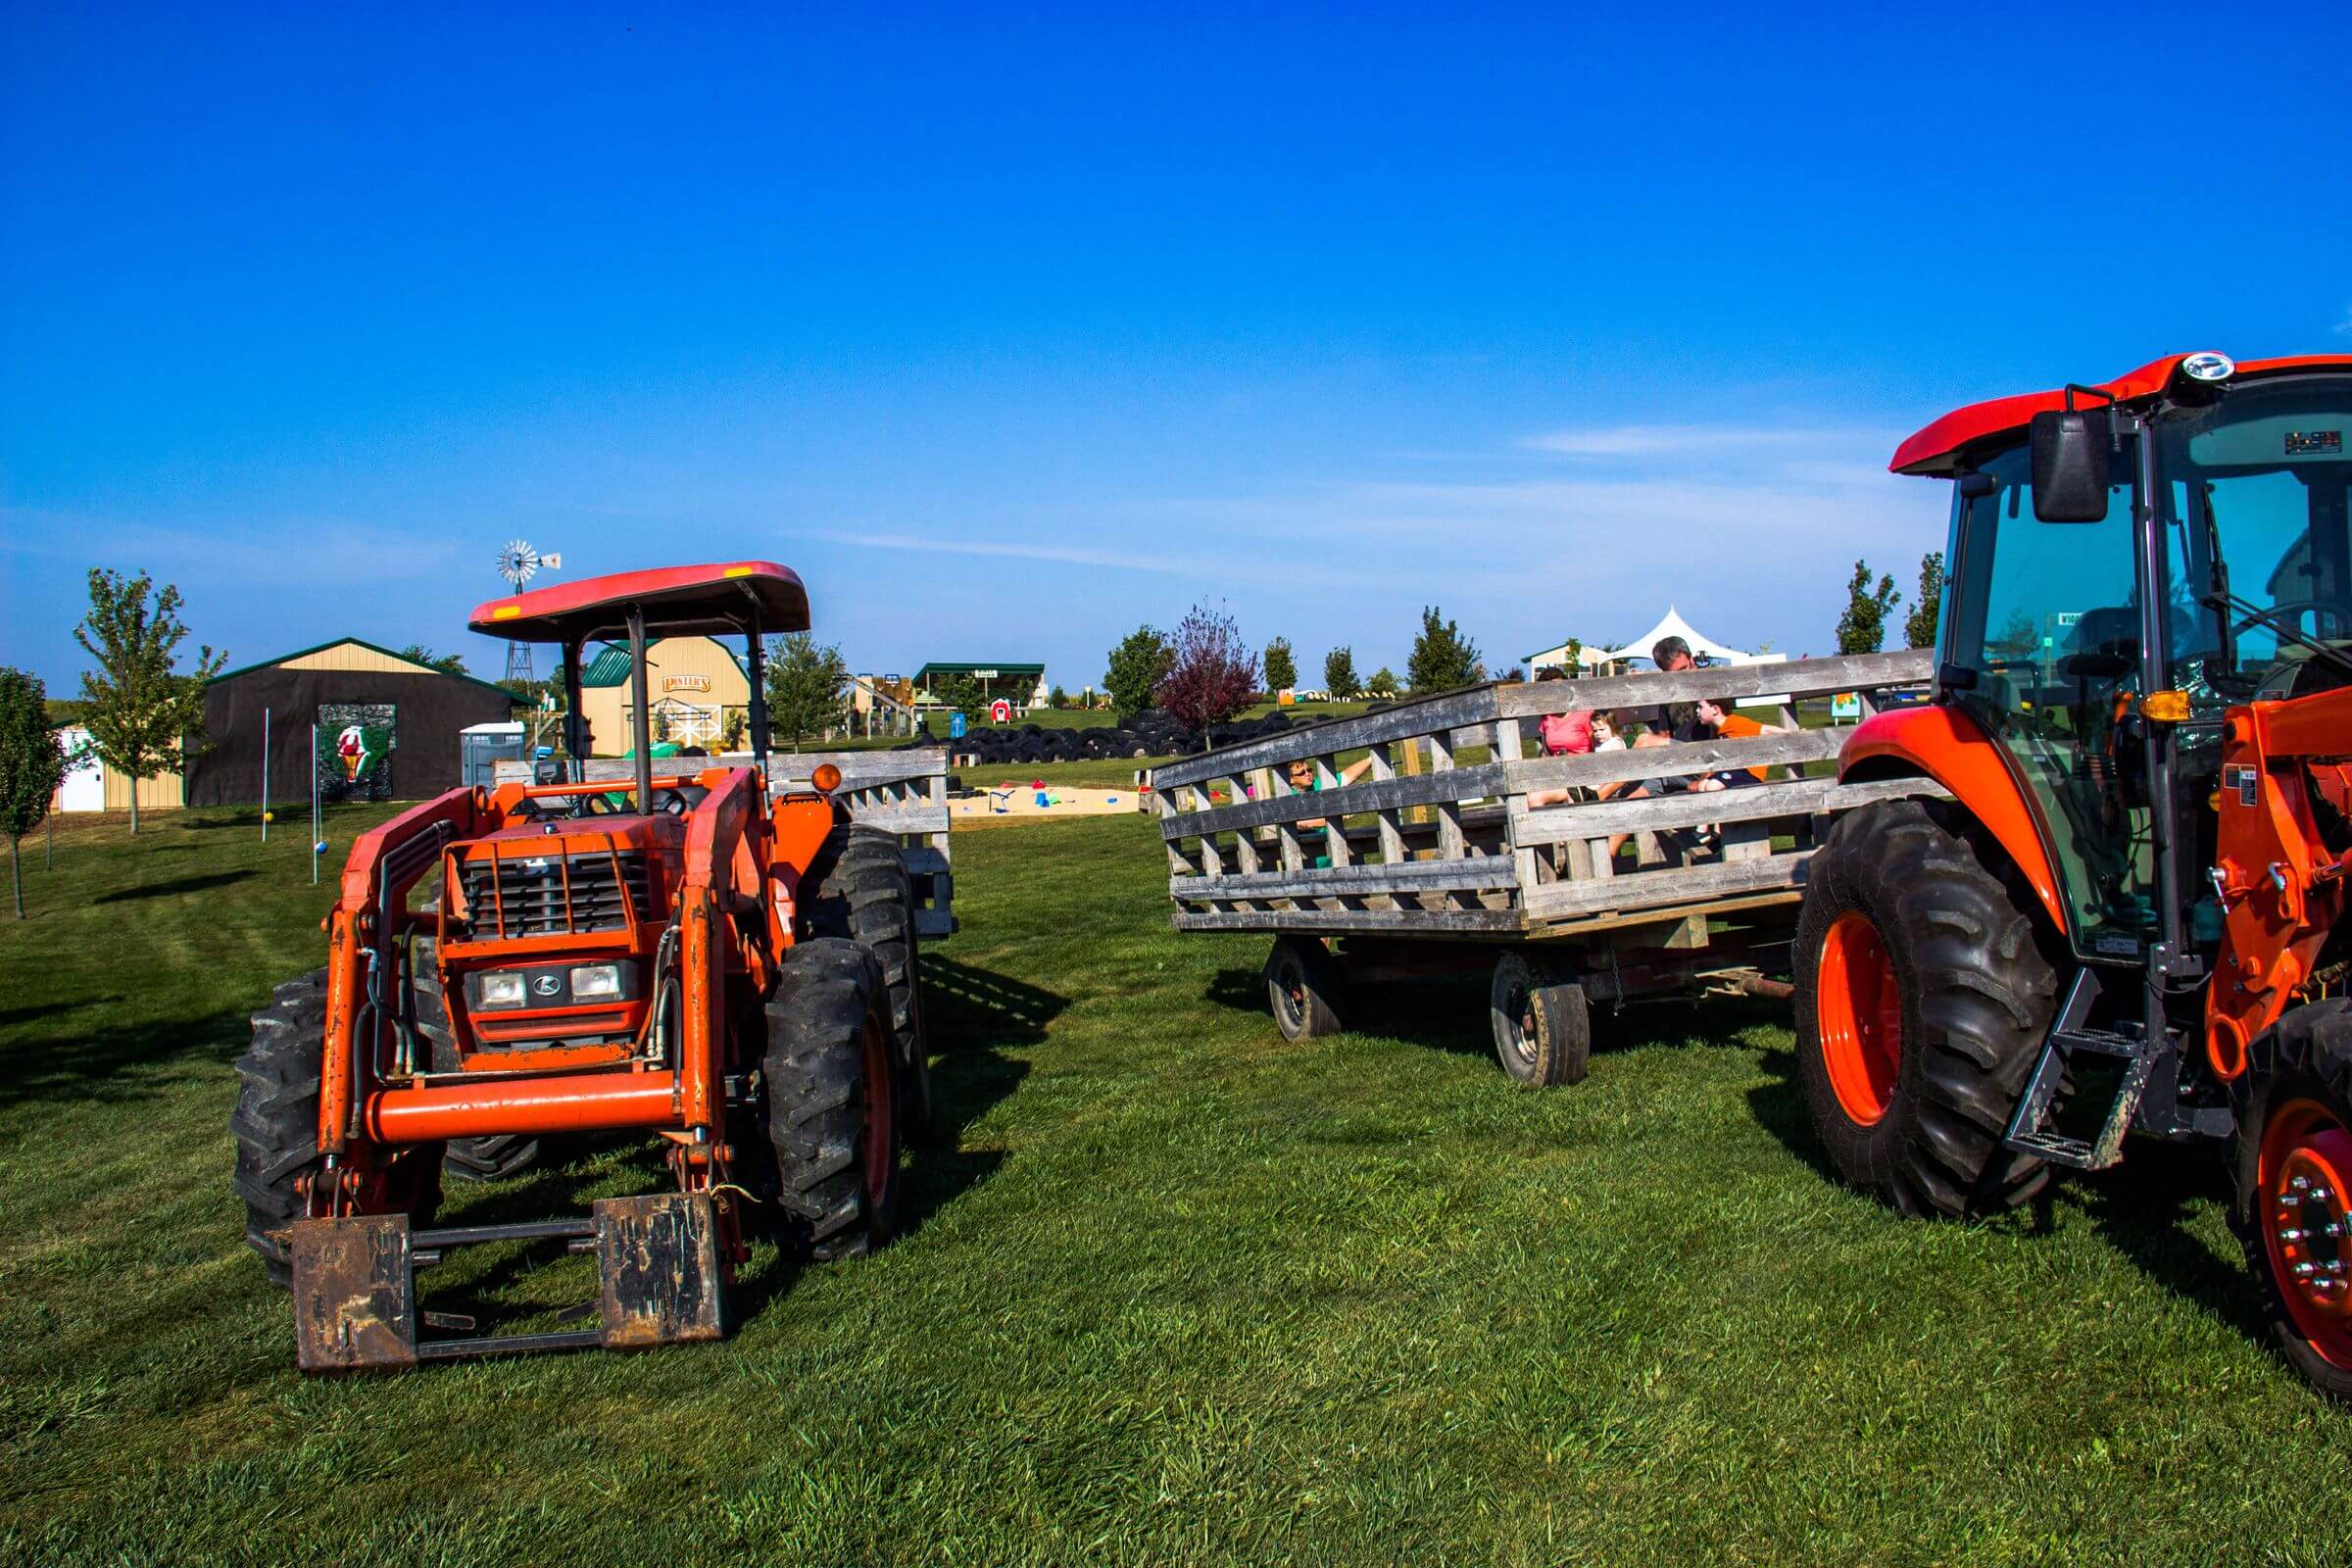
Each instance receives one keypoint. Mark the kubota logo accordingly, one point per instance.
(547, 985)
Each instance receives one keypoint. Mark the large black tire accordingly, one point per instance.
(493, 1157)
(2294, 1123)
(1305, 986)
(1542, 1025)
(831, 1098)
(857, 889)
(1917, 1043)
(276, 1121)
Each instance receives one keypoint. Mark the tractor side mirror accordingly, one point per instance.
(2070, 467)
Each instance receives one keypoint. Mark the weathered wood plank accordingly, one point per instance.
(1561, 824)
(1473, 705)
(1798, 677)
(1407, 877)
(916, 819)
(1681, 759)
(859, 768)
(1687, 883)
(1421, 922)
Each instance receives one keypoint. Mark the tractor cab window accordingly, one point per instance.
(2254, 497)
(2048, 617)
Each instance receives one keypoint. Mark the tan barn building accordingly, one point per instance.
(697, 688)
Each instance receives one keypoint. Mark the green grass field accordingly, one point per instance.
(1170, 1291)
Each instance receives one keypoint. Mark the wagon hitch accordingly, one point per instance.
(658, 1281)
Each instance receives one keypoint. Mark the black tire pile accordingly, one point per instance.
(1149, 733)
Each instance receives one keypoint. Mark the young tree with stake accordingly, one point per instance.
(1339, 674)
(31, 765)
(1863, 626)
(1139, 661)
(144, 718)
(1442, 658)
(1282, 670)
(1212, 676)
(806, 687)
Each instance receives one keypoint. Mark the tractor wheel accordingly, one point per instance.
(1304, 984)
(832, 1097)
(1922, 999)
(861, 892)
(276, 1124)
(492, 1157)
(2294, 1187)
(1543, 1027)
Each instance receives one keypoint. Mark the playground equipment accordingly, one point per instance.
(2123, 913)
(1439, 857)
(733, 973)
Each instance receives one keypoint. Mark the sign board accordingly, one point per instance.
(956, 725)
(1000, 710)
(984, 674)
(685, 683)
(1845, 705)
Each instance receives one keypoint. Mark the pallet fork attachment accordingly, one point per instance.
(658, 1281)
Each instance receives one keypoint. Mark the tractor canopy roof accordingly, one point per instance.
(711, 601)
(1946, 446)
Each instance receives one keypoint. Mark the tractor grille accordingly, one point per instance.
(529, 900)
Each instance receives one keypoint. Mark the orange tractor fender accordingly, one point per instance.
(1947, 746)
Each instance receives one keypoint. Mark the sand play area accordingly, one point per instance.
(1007, 798)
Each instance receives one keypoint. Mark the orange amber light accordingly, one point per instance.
(827, 777)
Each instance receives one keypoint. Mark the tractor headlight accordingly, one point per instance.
(502, 990)
(595, 980)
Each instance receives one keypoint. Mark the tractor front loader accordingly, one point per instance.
(2115, 904)
(680, 956)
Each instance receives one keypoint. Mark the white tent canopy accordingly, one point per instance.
(1674, 626)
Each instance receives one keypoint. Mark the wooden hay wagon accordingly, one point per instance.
(1428, 839)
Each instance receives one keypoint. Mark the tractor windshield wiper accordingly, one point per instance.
(2223, 599)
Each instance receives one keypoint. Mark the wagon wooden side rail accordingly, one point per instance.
(1454, 830)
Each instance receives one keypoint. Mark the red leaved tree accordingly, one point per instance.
(1214, 673)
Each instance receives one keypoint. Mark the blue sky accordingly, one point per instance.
(1012, 328)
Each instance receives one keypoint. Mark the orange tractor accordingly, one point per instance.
(676, 955)
(2118, 905)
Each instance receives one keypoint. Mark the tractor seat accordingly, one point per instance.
(2106, 645)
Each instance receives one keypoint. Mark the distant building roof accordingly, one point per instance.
(982, 670)
(610, 666)
(402, 660)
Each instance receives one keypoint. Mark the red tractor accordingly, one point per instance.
(676, 955)
(2117, 905)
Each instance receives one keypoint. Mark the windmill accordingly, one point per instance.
(518, 563)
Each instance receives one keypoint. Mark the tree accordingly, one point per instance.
(1339, 674)
(1382, 684)
(806, 687)
(31, 765)
(964, 693)
(1282, 670)
(1136, 666)
(1057, 699)
(1863, 626)
(144, 718)
(446, 664)
(1919, 628)
(1442, 658)
(1212, 675)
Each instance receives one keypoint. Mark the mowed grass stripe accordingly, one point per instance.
(1172, 1291)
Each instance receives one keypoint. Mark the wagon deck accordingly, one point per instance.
(1456, 835)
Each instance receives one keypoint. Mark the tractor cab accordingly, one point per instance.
(2127, 562)
(2115, 904)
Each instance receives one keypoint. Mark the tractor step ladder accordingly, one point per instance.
(355, 1308)
(2029, 1132)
